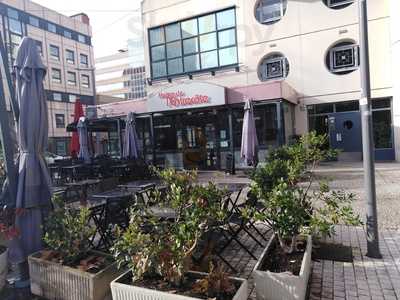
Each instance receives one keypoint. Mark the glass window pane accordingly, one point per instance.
(269, 11)
(34, 21)
(192, 63)
(159, 69)
(208, 42)
(51, 27)
(12, 13)
(190, 46)
(158, 53)
(175, 66)
(157, 36)
(209, 59)
(207, 24)
(227, 38)
(189, 28)
(15, 39)
(228, 56)
(15, 26)
(174, 49)
(381, 103)
(173, 32)
(347, 106)
(382, 124)
(324, 108)
(226, 19)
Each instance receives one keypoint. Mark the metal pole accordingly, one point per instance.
(368, 147)
(231, 142)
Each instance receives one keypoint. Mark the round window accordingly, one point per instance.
(348, 124)
(343, 58)
(270, 11)
(338, 4)
(273, 66)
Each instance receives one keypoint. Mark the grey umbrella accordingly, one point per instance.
(130, 150)
(34, 183)
(249, 149)
(83, 141)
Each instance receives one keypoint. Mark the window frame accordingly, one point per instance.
(85, 64)
(71, 82)
(83, 84)
(272, 20)
(334, 5)
(61, 124)
(56, 79)
(198, 53)
(58, 52)
(356, 57)
(68, 51)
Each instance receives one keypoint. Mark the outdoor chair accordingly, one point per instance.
(145, 196)
(231, 228)
(99, 238)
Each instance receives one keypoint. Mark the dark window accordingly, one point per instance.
(81, 38)
(381, 103)
(70, 56)
(61, 148)
(343, 58)
(270, 11)
(34, 21)
(68, 34)
(71, 78)
(347, 106)
(197, 44)
(51, 27)
(39, 46)
(84, 60)
(85, 81)
(56, 75)
(55, 52)
(60, 121)
(382, 124)
(165, 133)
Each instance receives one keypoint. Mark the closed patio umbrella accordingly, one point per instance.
(78, 113)
(34, 184)
(83, 141)
(130, 150)
(249, 149)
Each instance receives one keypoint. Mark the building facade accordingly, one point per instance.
(298, 61)
(117, 77)
(66, 49)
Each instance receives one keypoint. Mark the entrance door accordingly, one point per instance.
(345, 134)
(199, 142)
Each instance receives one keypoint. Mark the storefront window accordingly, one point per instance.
(165, 133)
(382, 123)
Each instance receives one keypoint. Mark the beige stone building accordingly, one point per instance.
(66, 48)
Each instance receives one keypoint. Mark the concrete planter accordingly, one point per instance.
(282, 286)
(122, 291)
(52, 280)
(3, 268)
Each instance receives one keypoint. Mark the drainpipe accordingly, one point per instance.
(232, 146)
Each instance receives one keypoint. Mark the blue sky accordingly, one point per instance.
(111, 20)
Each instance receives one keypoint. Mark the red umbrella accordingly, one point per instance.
(78, 112)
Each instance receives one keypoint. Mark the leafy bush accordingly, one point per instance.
(68, 232)
(156, 248)
(291, 208)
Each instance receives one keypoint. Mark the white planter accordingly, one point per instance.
(3, 268)
(122, 291)
(52, 280)
(282, 286)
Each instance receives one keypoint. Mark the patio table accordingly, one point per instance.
(141, 184)
(71, 171)
(84, 186)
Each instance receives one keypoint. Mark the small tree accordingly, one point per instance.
(68, 232)
(290, 206)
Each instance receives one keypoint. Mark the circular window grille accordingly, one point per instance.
(270, 11)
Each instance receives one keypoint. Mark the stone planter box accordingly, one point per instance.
(122, 291)
(52, 280)
(3, 268)
(282, 286)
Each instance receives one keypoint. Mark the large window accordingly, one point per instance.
(382, 123)
(71, 78)
(198, 44)
(84, 60)
(70, 56)
(85, 81)
(270, 11)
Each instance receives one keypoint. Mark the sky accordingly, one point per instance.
(113, 22)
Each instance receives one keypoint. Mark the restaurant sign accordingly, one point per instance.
(186, 96)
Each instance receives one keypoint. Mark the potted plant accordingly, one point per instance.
(8, 231)
(159, 252)
(68, 268)
(295, 211)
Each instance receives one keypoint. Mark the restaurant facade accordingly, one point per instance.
(297, 60)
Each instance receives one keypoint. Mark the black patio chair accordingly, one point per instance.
(99, 238)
